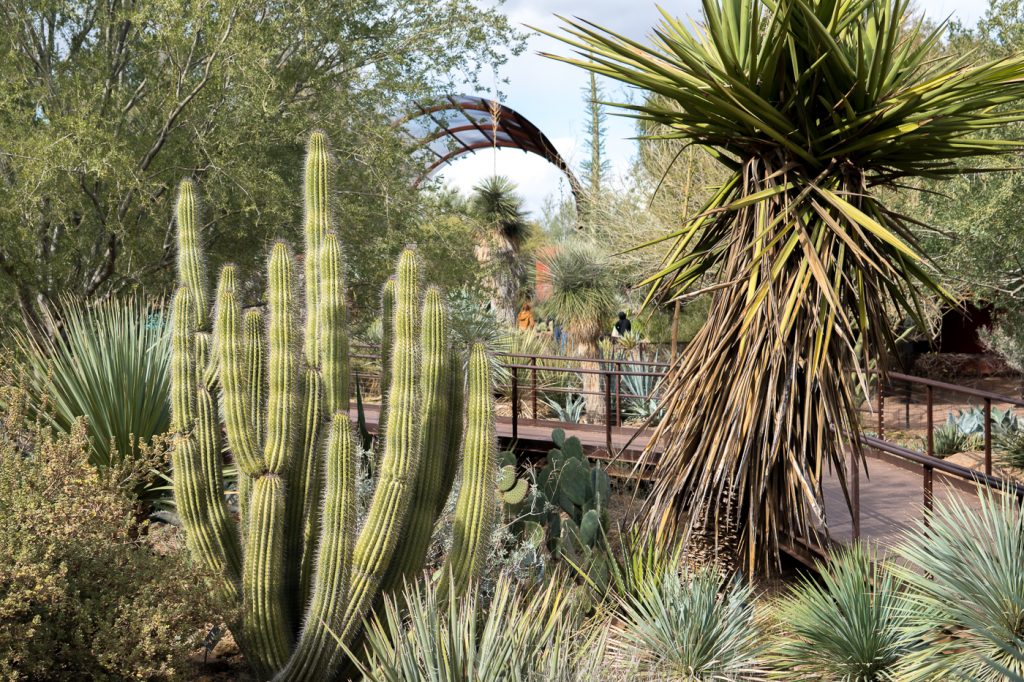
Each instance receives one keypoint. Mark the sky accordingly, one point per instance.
(550, 93)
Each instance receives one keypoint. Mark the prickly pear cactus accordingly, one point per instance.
(277, 384)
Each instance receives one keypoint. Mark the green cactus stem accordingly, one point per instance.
(234, 377)
(456, 419)
(265, 619)
(198, 477)
(191, 273)
(283, 366)
(317, 652)
(387, 348)
(393, 496)
(334, 350)
(434, 380)
(474, 509)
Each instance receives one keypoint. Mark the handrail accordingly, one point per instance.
(955, 388)
(945, 467)
(614, 369)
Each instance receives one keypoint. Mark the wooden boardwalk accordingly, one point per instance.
(891, 491)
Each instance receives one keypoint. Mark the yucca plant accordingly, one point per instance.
(692, 627)
(584, 300)
(852, 625)
(814, 107)
(111, 365)
(519, 636)
(499, 208)
(966, 570)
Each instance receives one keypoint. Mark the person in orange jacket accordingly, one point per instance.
(525, 319)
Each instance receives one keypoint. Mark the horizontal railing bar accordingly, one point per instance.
(942, 465)
(954, 388)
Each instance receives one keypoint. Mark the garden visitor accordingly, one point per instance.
(622, 326)
(525, 318)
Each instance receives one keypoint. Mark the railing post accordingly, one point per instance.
(929, 475)
(909, 396)
(533, 388)
(881, 408)
(855, 493)
(608, 413)
(618, 393)
(988, 436)
(930, 440)
(930, 421)
(515, 403)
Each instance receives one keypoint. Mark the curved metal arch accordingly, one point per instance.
(467, 123)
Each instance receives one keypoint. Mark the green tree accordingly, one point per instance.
(583, 299)
(812, 106)
(978, 241)
(105, 105)
(506, 229)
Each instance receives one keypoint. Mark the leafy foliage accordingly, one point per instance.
(107, 105)
(812, 106)
(83, 595)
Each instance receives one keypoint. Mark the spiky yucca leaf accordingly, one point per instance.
(854, 624)
(966, 568)
(693, 627)
(813, 105)
(111, 364)
(519, 635)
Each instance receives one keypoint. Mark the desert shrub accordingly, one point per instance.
(965, 569)
(83, 594)
(689, 627)
(110, 364)
(853, 624)
(516, 635)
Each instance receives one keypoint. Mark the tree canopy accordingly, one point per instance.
(105, 106)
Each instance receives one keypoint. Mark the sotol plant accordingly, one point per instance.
(304, 578)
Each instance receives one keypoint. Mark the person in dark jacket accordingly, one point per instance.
(622, 326)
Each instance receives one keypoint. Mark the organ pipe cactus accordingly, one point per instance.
(276, 382)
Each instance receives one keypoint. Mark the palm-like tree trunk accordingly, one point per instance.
(593, 386)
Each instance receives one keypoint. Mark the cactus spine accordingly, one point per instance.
(304, 575)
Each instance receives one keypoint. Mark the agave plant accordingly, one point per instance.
(571, 412)
(965, 566)
(851, 625)
(814, 107)
(691, 627)
(110, 364)
(519, 636)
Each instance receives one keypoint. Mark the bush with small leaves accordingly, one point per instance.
(83, 594)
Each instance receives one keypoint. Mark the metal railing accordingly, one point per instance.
(612, 370)
(927, 460)
(609, 370)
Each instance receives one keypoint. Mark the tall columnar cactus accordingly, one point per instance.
(293, 559)
(473, 512)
